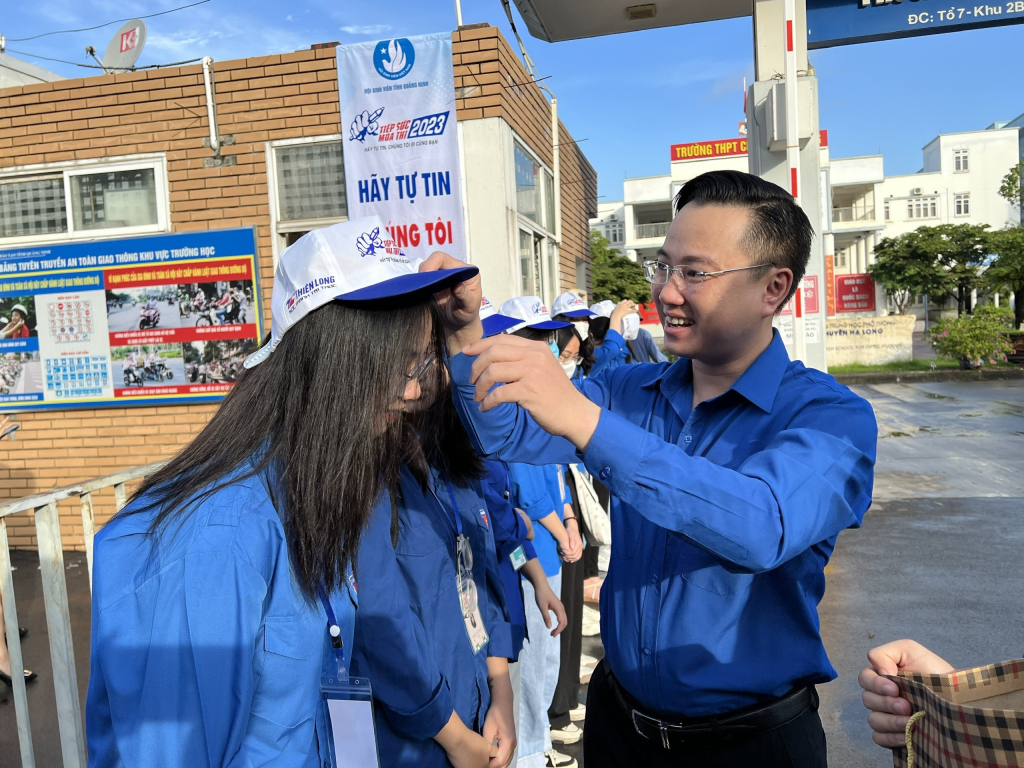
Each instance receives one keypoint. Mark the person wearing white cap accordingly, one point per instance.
(226, 588)
(493, 321)
(17, 328)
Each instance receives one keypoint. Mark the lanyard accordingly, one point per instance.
(457, 525)
(332, 625)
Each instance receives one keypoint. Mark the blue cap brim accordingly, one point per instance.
(579, 313)
(435, 281)
(496, 324)
(546, 325)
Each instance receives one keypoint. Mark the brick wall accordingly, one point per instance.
(259, 99)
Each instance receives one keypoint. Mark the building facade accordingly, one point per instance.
(128, 154)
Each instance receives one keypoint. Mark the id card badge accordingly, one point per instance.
(469, 597)
(518, 557)
(347, 704)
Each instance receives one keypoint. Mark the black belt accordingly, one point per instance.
(675, 732)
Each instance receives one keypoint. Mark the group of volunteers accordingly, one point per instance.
(365, 556)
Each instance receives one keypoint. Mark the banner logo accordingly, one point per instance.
(393, 59)
(368, 243)
(365, 124)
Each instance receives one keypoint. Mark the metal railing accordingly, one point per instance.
(658, 229)
(55, 600)
(853, 213)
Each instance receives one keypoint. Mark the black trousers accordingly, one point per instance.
(567, 689)
(611, 741)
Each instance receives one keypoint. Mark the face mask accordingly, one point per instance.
(554, 348)
(582, 328)
(569, 368)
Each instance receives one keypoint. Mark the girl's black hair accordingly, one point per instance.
(533, 334)
(318, 414)
(599, 327)
(564, 335)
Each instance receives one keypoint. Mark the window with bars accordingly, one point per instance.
(114, 200)
(33, 206)
(311, 181)
(961, 160)
(923, 208)
(962, 205)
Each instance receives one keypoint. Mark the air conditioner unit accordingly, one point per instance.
(916, 191)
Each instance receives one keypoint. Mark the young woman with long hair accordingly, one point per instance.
(213, 586)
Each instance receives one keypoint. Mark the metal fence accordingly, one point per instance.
(658, 229)
(55, 598)
(853, 213)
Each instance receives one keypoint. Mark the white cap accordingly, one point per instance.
(570, 305)
(531, 313)
(356, 260)
(603, 308)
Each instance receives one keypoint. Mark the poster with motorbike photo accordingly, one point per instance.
(215, 362)
(224, 303)
(147, 364)
(106, 322)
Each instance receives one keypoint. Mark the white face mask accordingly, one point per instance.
(582, 328)
(569, 368)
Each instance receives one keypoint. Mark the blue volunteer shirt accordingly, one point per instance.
(410, 637)
(535, 491)
(204, 651)
(723, 518)
(611, 354)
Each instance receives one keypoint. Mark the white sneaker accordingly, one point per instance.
(579, 714)
(568, 735)
(555, 759)
(591, 621)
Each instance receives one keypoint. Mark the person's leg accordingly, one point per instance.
(609, 740)
(567, 688)
(515, 678)
(552, 651)
(533, 707)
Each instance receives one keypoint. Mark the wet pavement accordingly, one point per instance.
(938, 560)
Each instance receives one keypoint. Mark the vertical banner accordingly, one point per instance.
(401, 144)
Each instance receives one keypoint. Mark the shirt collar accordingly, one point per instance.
(758, 384)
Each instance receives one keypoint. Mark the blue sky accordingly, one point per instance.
(631, 96)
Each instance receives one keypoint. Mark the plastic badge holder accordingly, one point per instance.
(348, 708)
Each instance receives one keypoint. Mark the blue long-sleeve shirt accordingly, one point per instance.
(204, 651)
(535, 491)
(410, 637)
(611, 354)
(509, 534)
(723, 519)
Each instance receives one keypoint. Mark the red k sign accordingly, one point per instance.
(129, 39)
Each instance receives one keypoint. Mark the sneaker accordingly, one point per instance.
(579, 714)
(555, 759)
(591, 621)
(592, 589)
(568, 735)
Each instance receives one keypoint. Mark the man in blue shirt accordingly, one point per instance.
(733, 471)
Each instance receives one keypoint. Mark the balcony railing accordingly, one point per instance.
(853, 213)
(658, 229)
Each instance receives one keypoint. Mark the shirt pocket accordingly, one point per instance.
(425, 560)
(702, 569)
(289, 689)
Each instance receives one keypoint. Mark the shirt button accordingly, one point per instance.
(647, 651)
(687, 439)
(605, 473)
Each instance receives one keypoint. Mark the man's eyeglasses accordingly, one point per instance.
(658, 272)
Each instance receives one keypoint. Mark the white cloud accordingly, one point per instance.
(365, 29)
(288, 17)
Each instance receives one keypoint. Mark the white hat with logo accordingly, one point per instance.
(531, 313)
(570, 305)
(494, 322)
(603, 308)
(357, 261)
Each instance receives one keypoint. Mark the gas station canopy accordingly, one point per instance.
(557, 20)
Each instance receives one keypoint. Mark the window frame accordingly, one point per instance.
(962, 158)
(155, 161)
(926, 201)
(961, 204)
(280, 228)
(550, 267)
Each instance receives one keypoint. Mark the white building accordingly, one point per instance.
(17, 72)
(611, 223)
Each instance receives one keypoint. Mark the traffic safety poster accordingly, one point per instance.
(165, 319)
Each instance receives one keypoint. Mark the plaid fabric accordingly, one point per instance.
(957, 729)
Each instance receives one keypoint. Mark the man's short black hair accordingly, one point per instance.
(779, 232)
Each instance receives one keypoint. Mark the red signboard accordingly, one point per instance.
(702, 150)
(830, 285)
(812, 304)
(855, 293)
(648, 314)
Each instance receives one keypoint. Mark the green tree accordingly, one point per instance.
(905, 269)
(960, 249)
(614, 276)
(1012, 187)
(1007, 271)
(974, 338)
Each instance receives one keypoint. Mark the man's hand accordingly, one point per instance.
(460, 304)
(499, 724)
(533, 379)
(889, 712)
